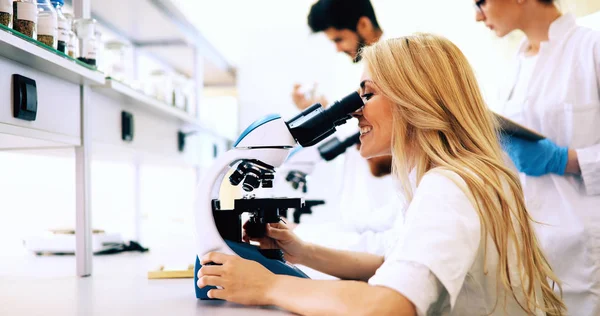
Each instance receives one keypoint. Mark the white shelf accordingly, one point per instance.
(36, 57)
(117, 90)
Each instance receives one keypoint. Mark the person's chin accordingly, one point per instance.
(364, 152)
(501, 33)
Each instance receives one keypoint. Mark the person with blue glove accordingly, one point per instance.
(537, 158)
(553, 89)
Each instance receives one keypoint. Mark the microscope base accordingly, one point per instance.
(248, 252)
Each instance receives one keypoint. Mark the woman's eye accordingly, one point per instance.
(367, 96)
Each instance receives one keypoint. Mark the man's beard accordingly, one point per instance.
(361, 44)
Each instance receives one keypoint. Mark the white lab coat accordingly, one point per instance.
(563, 103)
(364, 198)
(440, 263)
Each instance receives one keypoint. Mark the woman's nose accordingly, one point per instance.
(358, 114)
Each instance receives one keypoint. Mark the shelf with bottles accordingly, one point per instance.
(30, 52)
(121, 91)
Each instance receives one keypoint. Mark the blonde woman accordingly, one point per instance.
(468, 246)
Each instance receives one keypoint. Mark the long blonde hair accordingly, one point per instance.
(440, 112)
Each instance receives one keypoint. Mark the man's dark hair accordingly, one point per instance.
(340, 14)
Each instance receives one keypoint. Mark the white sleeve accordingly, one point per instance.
(402, 276)
(589, 163)
(441, 232)
(589, 157)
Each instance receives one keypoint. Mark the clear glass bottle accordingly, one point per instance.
(64, 25)
(73, 44)
(25, 14)
(6, 12)
(86, 33)
(47, 27)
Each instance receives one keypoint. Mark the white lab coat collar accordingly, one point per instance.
(558, 30)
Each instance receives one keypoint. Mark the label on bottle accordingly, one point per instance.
(63, 32)
(88, 50)
(47, 25)
(6, 6)
(26, 11)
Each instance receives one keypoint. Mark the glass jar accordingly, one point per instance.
(86, 33)
(64, 25)
(25, 14)
(47, 27)
(116, 60)
(161, 86)
(6, 12)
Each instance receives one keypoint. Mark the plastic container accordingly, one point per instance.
(64, 25)
(86, 33)
(25, 17)
(47, 27)
(6, 12)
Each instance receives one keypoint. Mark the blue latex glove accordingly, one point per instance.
(536, 158)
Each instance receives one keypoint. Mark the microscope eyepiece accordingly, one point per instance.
(334, 147)
(316, 123)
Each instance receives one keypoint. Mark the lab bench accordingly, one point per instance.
(77, 107)
(46, 286)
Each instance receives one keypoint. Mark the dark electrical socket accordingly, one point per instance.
(24, 98)
(215, 150)
(127, 126)
(181, 141)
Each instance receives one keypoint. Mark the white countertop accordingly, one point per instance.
(45, 286)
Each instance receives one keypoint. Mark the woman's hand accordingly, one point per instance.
(242, 281)
(278, 235)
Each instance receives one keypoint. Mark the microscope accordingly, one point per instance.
(301, 163)
(260, 149)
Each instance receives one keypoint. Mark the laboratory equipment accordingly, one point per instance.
(301, 161)
(260, 149)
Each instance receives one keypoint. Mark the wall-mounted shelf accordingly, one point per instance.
(119, 91)
(24, 50)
